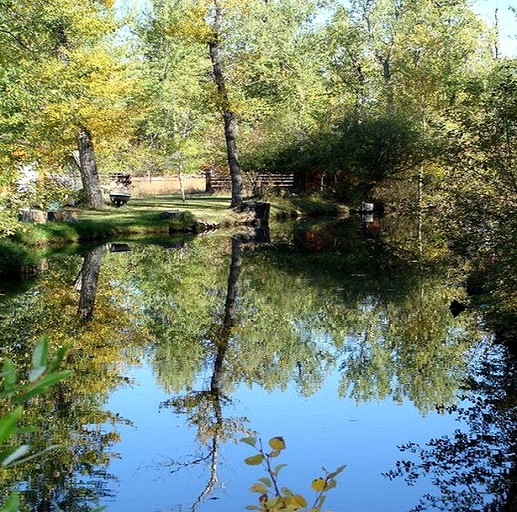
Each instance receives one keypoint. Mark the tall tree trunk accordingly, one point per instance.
(214, 47)
(88, 168)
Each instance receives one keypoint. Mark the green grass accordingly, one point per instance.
(142, 216)
(306, 205)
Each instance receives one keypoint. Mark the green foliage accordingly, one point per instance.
(481, 191)
(273, 497)
(13, 256)
(14, 394)
(8, 222)
(358, 152)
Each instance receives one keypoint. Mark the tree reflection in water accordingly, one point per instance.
(87, 282)
(475, 469)
(95, 326)
(332, 299)
(204, 408)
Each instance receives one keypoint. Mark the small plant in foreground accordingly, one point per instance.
(13, 395)
(272, 497)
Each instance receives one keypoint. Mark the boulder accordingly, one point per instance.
(35, 216)
(62, 216)
(172, 214)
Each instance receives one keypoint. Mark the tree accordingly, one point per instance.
(263, 80)
(175, 133)
(214, 46)
(394, 69)
(74, 87)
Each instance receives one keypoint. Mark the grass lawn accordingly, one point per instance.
(213, 208)
(144, 216)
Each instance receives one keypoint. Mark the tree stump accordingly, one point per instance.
(256, 213)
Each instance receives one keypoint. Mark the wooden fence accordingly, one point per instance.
(216, 181)
(209, 181)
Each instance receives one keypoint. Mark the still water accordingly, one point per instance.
(336, 336)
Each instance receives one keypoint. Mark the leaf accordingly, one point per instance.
(58, 359)
(13, 454)
(36, 373)
(300, 500)
(40, 354)
(249, 440)
(336, 472)
(266, 481)
(41, 385)
(252, 507)
(331, 484)
(278, 468)
(275, 453)
(254, 460)
(287, 491)
(7, 423)
(277, 443)
(260, 488)
(34, 455)
(12, 503)
(318, 484)
(272, 503)
(9, 375)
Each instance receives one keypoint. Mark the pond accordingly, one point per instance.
(337, 336)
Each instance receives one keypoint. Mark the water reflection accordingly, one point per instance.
(86, 282)
(475, 469)
(369, 305)
(204, 409)
(74, 476)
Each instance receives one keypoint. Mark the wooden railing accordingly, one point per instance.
(222, 181)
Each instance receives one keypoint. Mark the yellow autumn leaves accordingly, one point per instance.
(274, 498)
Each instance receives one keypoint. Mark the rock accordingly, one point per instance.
(172, 214)
(35, 216)
(62, 216)
(204, 225)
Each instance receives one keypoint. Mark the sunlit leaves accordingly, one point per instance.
(318, 484)
(254, 460)
(277, 443)
(69, 71)
(275, 498)
(260, 488)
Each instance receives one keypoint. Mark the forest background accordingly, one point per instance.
(410, 104)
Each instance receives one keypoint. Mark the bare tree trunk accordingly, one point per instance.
(420, 206)
(182, 188)
(214, 47)
(88, 168)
